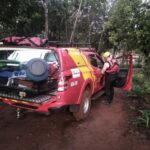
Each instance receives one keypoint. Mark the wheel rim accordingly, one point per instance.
(86, 105)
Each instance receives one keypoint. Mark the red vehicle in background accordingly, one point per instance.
(40, 79)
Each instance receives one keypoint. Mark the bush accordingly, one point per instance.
(137, 65)
(141, 86)
(141, 93)
(137, 91)
(147, 87)
(138, 79)
(144, 118)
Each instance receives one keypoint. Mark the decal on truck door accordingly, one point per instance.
(75, 73)
(75, 83)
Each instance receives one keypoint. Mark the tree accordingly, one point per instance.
(128, 27)
(143, 35)
(121, 24)
(30, 18)
(91, 18)
(23, 17)
(45, 5)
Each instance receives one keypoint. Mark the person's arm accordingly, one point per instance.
(106, 65)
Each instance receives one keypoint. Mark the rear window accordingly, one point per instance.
(26, 54)
(5, 54)
(23, 56)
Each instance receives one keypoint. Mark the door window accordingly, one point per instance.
(95, 61)
(51, 57)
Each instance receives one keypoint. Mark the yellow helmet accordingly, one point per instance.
(106, 54)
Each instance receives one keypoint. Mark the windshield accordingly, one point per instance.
(23, 56)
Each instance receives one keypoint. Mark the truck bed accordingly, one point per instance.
(34, 98)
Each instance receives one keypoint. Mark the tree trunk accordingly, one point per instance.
(45, 4)
(75, 23)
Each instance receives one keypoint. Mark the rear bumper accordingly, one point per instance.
(53, 102)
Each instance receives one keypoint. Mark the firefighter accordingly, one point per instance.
(110, 69)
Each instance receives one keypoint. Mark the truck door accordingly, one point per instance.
(124, 80)
(97, 65)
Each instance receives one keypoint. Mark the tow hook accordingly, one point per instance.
(19, 113)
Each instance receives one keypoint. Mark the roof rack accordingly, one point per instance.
(23, 41)
(68, 44)
(38, 42)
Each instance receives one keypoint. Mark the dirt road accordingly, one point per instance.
(106, 129)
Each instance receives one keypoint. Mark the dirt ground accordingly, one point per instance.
(107, 128)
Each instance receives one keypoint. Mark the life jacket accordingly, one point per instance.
(113, 66)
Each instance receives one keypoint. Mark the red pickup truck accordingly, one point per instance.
(41, 79)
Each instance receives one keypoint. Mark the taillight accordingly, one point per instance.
(64, 82)
(62, 85)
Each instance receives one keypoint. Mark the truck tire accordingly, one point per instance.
(85, 105)
(37, 70)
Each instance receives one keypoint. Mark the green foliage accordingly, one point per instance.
(141, 86)
(90, 23)
(128, 27)
(23, 17)
(137, 65)
(119, 24)
(138, 79)
(27, 18)
(137, 91)
(144, 118)
(147, 87)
